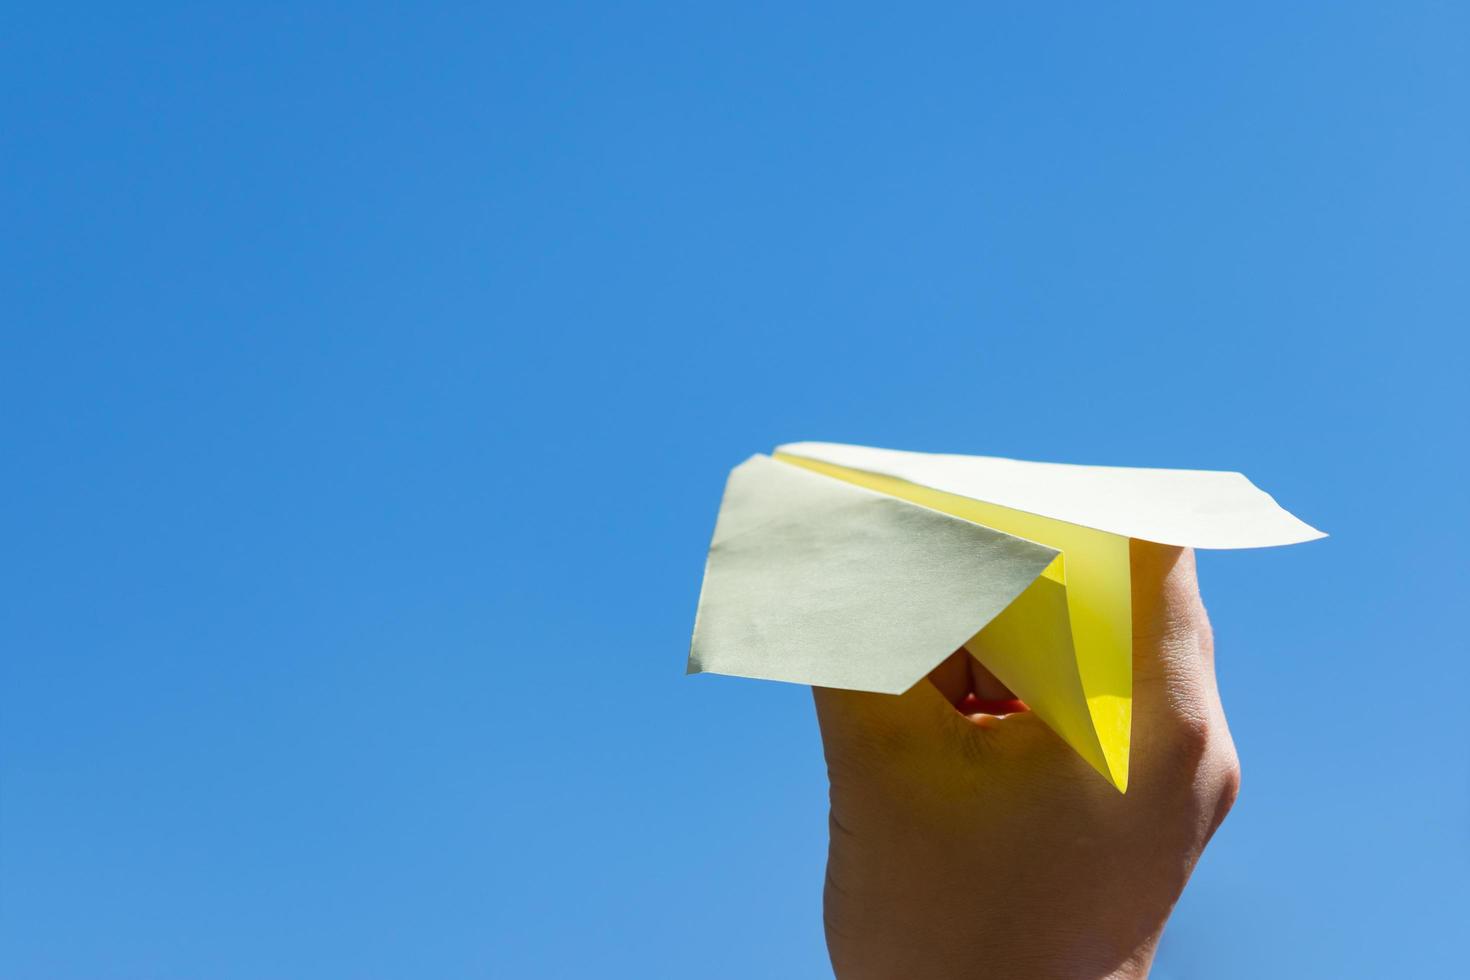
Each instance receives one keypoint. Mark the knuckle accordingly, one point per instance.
(1227, 777)
(1193, 733)
(1196, 741)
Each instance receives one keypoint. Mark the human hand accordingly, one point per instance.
(980, 846)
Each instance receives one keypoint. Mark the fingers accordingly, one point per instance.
(1173, 647)
(1166, 597)
(936, 715)
(963, 679)
(987, 686)
(953, 676)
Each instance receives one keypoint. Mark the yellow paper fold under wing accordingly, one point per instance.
(1065, 645)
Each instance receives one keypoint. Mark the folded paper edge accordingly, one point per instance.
(1300, 531)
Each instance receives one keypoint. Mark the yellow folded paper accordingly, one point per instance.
(847, 566)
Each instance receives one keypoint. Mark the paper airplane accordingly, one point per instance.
(859, 568)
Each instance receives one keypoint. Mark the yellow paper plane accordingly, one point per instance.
(860, 568)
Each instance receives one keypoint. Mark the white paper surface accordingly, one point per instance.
(1193, 508)
(817, 581)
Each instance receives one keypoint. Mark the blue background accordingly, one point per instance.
(370, 376)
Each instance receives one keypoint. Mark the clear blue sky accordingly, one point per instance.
(369, 379)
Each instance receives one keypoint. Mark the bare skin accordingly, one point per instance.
(983, 846)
